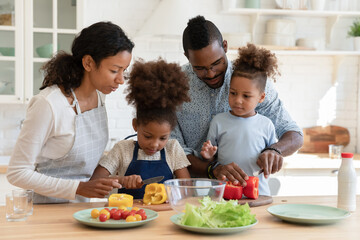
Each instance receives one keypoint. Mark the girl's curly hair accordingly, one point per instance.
(157, 89)
(257, 64)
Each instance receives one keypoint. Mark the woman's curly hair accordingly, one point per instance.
(157, 89)
(257, 64)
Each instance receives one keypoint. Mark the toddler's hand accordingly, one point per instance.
(208, 150)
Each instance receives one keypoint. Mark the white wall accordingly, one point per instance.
(306, 86)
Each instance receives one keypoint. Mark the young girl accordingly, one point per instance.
(240, 135)
(156, 88)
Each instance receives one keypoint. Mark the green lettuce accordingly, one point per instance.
(223, 214)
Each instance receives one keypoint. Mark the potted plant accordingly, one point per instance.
(354, 32)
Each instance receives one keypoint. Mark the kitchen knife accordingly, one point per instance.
(257, 173)
(153, 180)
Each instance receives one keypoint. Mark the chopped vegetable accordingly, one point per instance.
(223, 214)
(155, 194)
(252, 188)
(232, 191)
(120, 200)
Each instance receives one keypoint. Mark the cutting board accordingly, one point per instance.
(317, 139)
(159, 207)
(260, 201)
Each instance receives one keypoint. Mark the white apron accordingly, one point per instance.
(91, 136)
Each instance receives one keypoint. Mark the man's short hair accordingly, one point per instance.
(199, 33)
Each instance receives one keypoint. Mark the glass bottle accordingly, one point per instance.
(347, 183)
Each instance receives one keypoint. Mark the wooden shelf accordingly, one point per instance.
(7, 28)
(306, 53)
(332, 17)
(304, 13)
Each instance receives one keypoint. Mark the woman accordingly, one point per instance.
(65, 130)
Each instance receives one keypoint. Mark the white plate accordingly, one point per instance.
(308, 213)
(84, 216)
(177, 218)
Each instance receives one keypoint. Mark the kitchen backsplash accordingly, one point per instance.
(307, 85)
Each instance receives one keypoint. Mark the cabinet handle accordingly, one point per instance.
(335, 171)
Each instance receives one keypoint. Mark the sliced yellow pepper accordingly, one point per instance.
(155, 194)
(121, 200)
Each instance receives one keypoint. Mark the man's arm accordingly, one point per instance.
(198, 167)
(289, 143)
(271, 160)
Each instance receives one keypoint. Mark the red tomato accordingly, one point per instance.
(125, 214)
(117, 215)
(142, 213)
(143, 216)
(102, 217)
(112, 211)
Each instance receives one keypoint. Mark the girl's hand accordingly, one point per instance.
(208, 150)
(97, 188)
(131, 182)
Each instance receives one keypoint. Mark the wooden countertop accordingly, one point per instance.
(55, 221)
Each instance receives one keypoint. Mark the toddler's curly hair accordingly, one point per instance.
(157, 89)
(257, 64)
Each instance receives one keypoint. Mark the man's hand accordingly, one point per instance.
(97, 188)
(270, 161)
(208, 150)
(231, 172)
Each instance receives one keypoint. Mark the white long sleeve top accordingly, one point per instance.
(47, 133)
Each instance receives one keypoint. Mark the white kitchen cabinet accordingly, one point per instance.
(311, 174)
(332, 18)
(40, 29)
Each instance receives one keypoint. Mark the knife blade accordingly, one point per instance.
(255, 174)
(153, 180)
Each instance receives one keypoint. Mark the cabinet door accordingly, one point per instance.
(11, 51)
(50, 27)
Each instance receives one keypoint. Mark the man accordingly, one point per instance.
(209, 73)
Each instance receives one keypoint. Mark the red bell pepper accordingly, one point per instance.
(252, 188)
(232, 191)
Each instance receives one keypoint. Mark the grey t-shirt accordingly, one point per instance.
(240, 140)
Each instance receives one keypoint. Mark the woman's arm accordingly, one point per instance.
(100, 172)
(37, 128)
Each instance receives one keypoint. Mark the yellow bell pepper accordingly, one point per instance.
(121, 200)
(155, 194)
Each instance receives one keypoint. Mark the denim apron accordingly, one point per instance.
(146, 169)
(91, 136)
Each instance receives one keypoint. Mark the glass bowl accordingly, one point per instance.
(191, 190)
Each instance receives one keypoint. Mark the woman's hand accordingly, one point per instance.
(232, 172)
(97, 188)
(208, 150)
(270, 161)
(131, 182)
